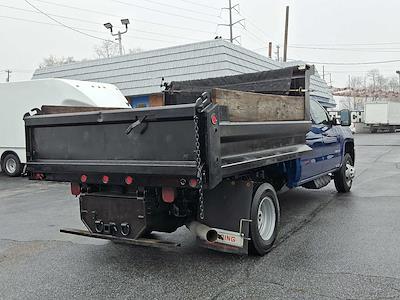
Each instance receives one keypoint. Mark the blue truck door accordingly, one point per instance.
(332, 152)
(311, 162)
(329, 155)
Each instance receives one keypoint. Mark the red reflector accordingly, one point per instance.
(75, 188)
(168, 194)
(83, 178)
(105, 179)
(128, 180)
(38, 176)
(193, 182)
(214, 119)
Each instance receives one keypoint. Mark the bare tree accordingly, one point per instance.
(382, 83)
(393, 84)
(356, 82)
(373, 76)
(53, 60)
(107, 49)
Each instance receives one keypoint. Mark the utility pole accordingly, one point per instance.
(398, 73)
(270, 49)
(231, 23)
(285, 46)
(8, 75)
(277, 52)
(119, 33)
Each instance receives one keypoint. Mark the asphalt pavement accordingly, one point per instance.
(330, 246)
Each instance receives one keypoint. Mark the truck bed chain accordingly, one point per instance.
(199, 166)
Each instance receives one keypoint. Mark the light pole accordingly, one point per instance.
(398, 72)
(119, 33)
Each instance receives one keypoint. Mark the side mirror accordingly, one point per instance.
(334, 121)
(345, 117)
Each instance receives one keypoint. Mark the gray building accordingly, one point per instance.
(139, 75)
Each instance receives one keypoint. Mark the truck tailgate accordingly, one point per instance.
(141, 141)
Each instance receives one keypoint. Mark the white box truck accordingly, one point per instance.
(383, 116)
(18, 98)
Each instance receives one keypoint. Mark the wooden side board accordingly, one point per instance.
(156, 100)
(60, 109)
(255, 107)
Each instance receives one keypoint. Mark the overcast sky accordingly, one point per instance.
(359, 31)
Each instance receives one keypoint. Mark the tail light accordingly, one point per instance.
(83, 178)
(128, 180)
(168, 194)
(38, 176)
(193, 182)
(105, 179)
(214, 119)
(75, 189)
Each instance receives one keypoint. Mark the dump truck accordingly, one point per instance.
(212, 158)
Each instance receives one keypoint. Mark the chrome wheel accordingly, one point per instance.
(11, 165)
(349, 173)
(266, 218)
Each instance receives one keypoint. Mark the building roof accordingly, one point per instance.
(140, 73)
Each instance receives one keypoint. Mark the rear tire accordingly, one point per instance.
(11, 165)
(344, 176)
(265, 217)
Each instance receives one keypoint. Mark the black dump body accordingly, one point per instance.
(285, 81)
(157, 146)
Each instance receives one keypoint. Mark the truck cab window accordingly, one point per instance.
(318, 113)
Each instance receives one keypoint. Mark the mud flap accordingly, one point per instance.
(123, 217)
(227, 210)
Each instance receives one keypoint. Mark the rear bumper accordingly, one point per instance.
(137, 242)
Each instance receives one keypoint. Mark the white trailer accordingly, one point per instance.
(18, 98)
(383, 116)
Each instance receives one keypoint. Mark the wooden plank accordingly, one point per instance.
(59, 109)
(255, 107)
(156, 100)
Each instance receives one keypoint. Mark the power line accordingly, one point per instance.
(64, 25)
(96, 31)
(387, 50)
(162, 12)
(355, 63)
(118, 16)
(96, 23)
(182, 8)
(201, 5)
(347, 44)
(248, 20)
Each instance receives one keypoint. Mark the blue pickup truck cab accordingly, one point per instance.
(332, 155)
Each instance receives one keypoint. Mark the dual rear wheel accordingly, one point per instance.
(265, 217)
(265, 211)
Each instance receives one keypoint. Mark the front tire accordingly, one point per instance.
(344, 176)
(11, 165)
(265, 217)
